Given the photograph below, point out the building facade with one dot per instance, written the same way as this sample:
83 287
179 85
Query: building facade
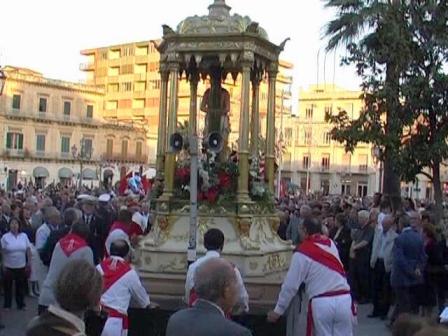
129 75
316 163
44 124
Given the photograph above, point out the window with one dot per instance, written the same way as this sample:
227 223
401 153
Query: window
126 86
40 143
363 162
16 101
140 68
155 84
114 54
362 189
42 105
128 51
309 112
325 187
126 69
328 109
140 86
346 162
111 105
114 71
112 87
89 111
139 149
138 103
124 148
109 147
327 138
103 55
65 144
141 51
88 148
325 161
308 137
306 161
288 136
67 108
14 140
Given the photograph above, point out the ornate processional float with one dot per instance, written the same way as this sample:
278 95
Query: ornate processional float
235 188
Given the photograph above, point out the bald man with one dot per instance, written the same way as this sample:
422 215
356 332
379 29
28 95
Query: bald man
217 289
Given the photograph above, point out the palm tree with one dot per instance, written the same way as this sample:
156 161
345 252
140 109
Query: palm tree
373 27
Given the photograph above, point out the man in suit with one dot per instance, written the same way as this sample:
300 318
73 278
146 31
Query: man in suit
381 263
96 224
217 290
409 261
293 231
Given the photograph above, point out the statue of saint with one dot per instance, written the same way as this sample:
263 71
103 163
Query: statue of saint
217 118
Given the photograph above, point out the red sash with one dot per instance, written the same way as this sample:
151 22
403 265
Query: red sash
113 270
193 297
116 314
71 243
310 248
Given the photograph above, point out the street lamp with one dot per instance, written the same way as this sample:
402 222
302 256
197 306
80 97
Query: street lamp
2 81
83 154
377 158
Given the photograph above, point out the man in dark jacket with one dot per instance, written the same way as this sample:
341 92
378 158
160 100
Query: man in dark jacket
409 261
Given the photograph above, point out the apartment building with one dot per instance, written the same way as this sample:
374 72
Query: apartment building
315 162
43 122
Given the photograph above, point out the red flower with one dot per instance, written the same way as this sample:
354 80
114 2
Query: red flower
183 174
224 180
212 195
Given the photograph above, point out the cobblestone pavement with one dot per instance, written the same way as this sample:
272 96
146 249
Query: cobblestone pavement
16 321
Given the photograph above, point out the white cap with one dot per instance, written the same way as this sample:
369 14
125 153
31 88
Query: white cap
139 219
84 198
104 198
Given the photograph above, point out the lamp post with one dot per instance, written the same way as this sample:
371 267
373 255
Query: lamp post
376 155
2 81
81 155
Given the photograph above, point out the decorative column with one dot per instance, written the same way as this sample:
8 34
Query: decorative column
270 128
255 118
161 132
243 150
170 162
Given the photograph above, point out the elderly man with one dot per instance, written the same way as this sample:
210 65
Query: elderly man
316 264
293 232
409 261
360 258
217 290
381 264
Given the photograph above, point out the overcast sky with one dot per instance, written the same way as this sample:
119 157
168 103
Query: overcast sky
47 35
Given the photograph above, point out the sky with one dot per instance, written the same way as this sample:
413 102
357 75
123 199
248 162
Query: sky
47 35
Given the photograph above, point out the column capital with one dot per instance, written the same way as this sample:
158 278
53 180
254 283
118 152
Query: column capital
173 66
272 70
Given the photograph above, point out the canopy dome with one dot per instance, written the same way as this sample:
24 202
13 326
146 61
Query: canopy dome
219 21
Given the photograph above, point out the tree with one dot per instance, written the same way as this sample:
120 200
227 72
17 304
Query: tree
425 95
377 42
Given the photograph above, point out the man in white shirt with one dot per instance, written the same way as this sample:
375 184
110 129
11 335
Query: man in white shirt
52 221
316 263
121 285
214 243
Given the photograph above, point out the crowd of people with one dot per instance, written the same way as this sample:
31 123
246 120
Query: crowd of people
73 251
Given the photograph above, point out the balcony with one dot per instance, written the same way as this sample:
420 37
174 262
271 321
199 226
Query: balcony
88 66
14 153
65 155
124 158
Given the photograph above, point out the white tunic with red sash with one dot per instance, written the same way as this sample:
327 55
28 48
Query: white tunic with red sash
121 284
316 263
118 231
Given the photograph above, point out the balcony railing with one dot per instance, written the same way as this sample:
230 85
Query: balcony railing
86 66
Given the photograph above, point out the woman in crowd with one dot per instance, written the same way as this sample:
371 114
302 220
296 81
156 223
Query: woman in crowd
342 239
26 227
78 288
16 254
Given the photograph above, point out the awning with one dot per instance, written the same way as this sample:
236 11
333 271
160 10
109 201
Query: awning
65 173
40 172
89 174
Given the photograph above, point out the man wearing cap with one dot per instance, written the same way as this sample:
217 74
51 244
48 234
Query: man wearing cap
96 225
